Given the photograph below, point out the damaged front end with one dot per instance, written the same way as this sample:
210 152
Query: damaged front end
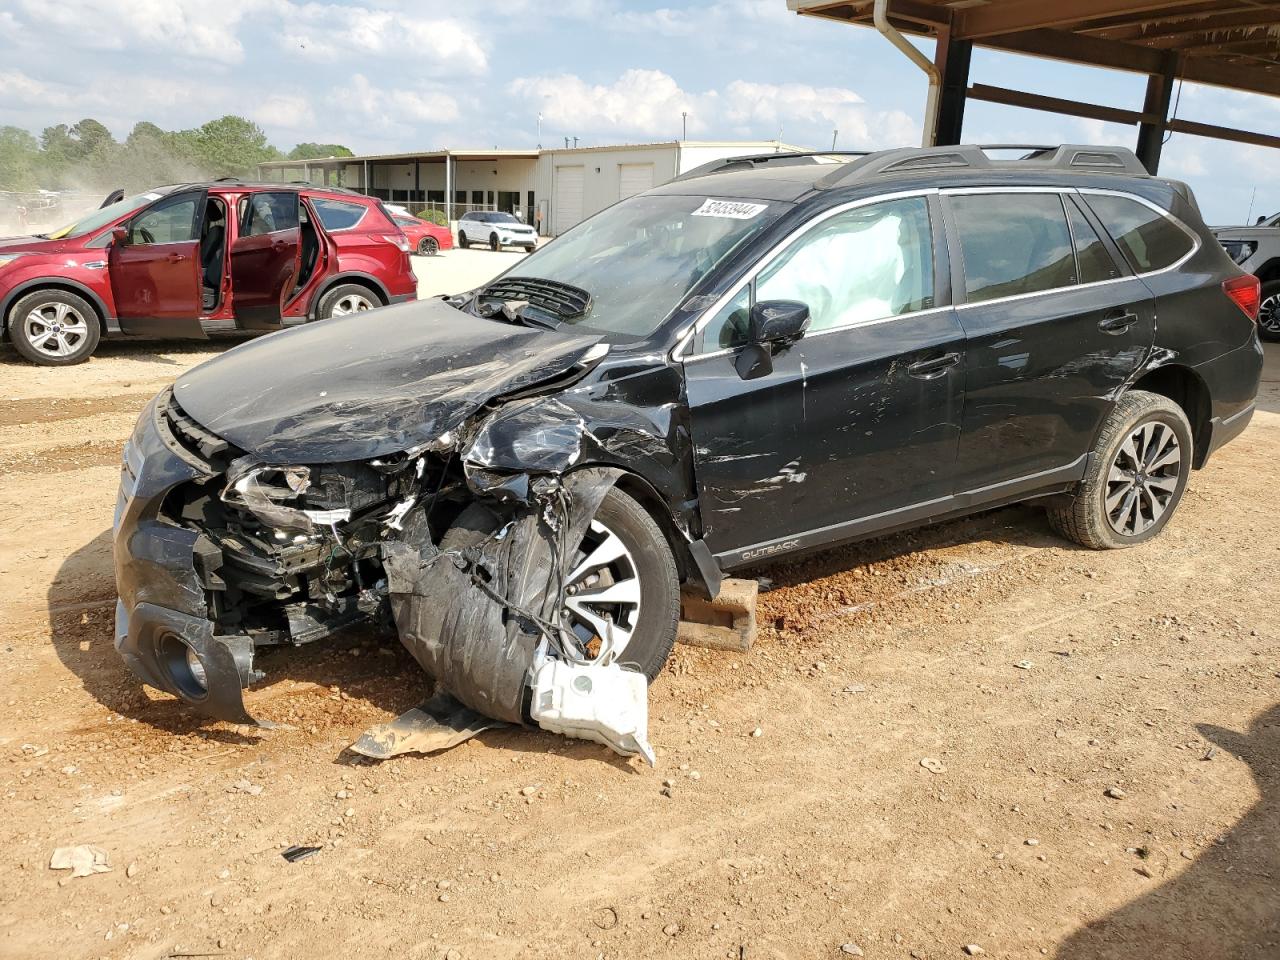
459 531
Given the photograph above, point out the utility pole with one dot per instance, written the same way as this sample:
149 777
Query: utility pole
566 143
575 143
539 129
684 128
834 134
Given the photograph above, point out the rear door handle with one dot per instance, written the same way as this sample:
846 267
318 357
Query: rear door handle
1118 322
934 366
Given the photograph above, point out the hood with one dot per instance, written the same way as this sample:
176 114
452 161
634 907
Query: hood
29 245
369 384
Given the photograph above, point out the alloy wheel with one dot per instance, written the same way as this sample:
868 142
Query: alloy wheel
351 303
1143 479
428 247
56 328
1269 314
602 594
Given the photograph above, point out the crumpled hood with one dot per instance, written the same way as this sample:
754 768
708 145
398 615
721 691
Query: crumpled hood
368 384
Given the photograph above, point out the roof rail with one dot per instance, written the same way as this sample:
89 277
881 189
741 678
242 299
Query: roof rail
1078 157
751 161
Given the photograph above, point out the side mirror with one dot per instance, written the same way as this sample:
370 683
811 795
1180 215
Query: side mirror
775 324
120 235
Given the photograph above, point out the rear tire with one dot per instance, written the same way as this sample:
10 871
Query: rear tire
345 299
428 247
1269 312
1136 479
654 633
54 328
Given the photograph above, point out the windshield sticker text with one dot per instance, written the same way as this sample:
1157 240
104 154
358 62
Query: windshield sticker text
730 209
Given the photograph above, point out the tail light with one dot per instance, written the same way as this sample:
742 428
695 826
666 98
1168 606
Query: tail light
401 241
1246 292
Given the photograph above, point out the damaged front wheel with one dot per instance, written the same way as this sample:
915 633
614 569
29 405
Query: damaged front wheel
620 581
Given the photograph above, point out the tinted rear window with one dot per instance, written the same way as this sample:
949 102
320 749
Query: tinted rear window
338 215
1149 240
1013 243
1091 253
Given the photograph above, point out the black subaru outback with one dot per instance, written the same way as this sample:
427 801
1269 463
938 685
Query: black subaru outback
764 356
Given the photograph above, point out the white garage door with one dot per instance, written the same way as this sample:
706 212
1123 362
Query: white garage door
568 198
634 178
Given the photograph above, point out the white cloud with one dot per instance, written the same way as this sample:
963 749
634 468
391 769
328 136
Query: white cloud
191 27
649 103
339 32
392 108
284 110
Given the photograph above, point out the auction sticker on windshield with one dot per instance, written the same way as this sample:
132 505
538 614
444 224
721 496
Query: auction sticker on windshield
730 209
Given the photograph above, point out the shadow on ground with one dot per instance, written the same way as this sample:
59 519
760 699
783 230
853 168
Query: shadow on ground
1226 905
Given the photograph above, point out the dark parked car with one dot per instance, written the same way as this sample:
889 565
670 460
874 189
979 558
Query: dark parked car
197 258
765 356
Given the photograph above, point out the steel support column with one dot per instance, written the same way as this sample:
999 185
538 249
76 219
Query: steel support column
952 59
1151 134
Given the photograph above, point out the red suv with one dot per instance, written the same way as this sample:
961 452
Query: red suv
193 259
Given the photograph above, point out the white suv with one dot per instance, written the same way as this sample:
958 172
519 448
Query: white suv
497 230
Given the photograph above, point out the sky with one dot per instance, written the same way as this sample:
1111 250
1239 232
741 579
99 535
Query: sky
403 75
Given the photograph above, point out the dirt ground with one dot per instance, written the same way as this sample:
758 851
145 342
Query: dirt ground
1032 677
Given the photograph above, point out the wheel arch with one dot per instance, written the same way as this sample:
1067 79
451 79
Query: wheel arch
350 276
1188 390
37 284
1269 271
645 494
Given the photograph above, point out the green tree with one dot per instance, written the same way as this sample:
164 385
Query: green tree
19 159
231 146
319 151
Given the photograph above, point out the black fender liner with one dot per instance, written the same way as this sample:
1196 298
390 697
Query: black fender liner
476 619
109 323
350 276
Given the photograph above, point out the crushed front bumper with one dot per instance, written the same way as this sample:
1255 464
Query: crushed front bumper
163 632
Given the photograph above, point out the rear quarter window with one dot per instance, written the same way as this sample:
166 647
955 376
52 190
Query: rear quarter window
1148 239
338 214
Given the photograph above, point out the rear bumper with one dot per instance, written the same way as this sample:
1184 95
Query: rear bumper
1233 380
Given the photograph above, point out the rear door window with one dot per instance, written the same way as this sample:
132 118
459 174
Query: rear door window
270 213
1013 244
338 214
1149 239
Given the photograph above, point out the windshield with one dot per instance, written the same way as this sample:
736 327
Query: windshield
100 218
639 258
502 218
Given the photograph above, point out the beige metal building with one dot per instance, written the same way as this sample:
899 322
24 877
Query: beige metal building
553 188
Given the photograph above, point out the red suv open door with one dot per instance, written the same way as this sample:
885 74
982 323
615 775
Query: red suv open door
155 268
265 259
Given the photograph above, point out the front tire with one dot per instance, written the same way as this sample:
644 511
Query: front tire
345 299
1137 477
1269 312
54 328
494 245
463 242
624 559
428 247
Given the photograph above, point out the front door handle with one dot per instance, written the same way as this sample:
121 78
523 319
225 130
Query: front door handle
279 244
1118 322
176 257
934 366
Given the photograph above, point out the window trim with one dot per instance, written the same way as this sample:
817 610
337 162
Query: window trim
958 289
682 351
